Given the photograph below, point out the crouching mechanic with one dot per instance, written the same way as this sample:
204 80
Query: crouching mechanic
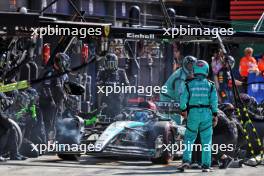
200 100
8 135
175 85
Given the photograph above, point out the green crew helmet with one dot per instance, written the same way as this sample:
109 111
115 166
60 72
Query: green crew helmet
201 67
187 65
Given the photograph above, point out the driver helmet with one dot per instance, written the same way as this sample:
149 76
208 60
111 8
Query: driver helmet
141 116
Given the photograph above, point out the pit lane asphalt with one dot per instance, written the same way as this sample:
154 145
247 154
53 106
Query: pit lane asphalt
89 166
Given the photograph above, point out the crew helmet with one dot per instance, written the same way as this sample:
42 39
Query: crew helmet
111 62
201 67
186 61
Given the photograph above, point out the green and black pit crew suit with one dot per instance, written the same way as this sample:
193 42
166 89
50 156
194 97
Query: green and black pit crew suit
201 101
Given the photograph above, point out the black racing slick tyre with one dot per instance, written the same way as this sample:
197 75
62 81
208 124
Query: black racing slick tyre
167 139
5 137
18 132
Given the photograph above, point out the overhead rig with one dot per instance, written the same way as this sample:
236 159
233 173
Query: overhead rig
158 34
15 23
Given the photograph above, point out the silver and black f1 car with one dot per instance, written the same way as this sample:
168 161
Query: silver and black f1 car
140 133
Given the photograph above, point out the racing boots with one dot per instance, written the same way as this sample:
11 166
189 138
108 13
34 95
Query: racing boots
184 166
207 169
2 159
18 157
195 166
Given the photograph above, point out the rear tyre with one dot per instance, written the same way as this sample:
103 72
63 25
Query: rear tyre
18 132
5 137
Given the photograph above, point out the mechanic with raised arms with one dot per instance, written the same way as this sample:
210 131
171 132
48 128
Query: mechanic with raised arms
200 100
109 76
175 84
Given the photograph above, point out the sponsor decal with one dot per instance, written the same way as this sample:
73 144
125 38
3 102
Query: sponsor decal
140 36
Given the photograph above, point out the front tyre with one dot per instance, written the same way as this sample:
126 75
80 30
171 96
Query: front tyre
166 156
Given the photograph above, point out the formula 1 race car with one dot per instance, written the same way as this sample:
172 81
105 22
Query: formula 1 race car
140 133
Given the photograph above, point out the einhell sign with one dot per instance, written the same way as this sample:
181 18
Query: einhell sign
246 10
